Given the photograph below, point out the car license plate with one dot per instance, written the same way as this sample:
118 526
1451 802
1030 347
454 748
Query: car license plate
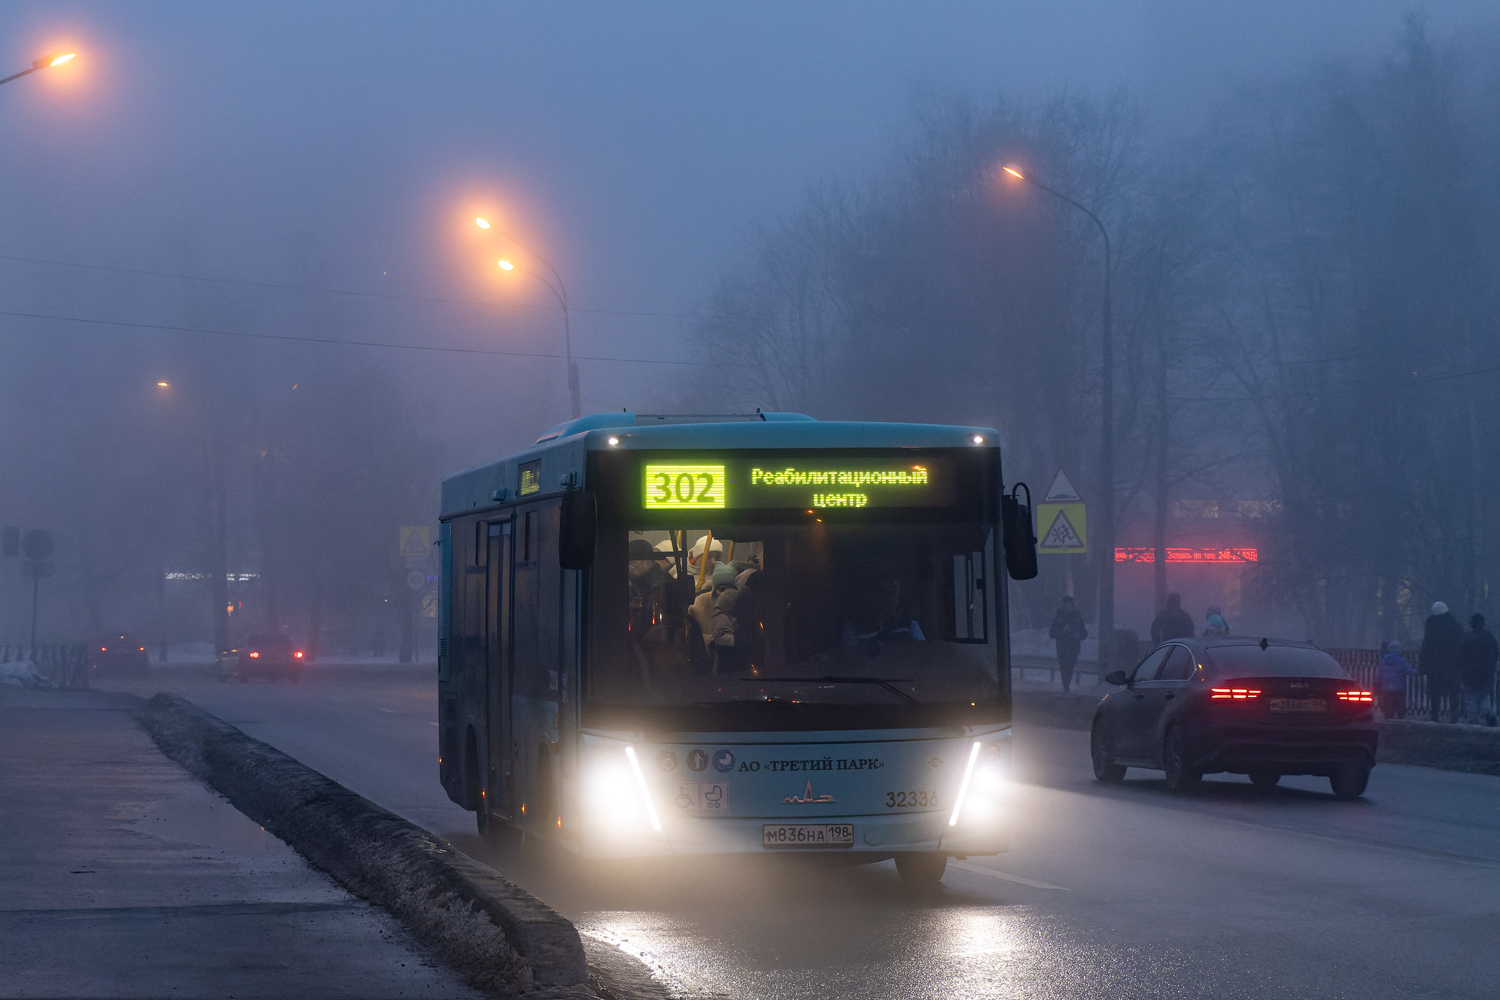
1299 705
822 835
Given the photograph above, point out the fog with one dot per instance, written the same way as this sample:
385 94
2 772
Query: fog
751 206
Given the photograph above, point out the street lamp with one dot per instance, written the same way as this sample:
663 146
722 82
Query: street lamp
1106 524
46 62
560 291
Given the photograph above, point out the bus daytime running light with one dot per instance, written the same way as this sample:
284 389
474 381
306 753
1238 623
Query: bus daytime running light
963 786
640 781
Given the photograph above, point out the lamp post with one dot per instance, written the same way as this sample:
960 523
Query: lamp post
1105 530
560 292
46 62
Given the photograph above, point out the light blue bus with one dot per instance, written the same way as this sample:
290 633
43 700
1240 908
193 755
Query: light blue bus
667 635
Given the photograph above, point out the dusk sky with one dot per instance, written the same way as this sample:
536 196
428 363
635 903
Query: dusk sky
348 146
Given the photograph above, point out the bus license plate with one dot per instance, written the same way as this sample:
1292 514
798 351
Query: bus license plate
822 835
1299 705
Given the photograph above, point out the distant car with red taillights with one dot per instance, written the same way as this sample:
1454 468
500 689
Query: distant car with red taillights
269 656
1258 707
121 654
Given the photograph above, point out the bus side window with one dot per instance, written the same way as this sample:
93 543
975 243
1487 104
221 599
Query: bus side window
970 621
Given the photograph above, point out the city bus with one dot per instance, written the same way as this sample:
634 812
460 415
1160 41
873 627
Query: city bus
670 635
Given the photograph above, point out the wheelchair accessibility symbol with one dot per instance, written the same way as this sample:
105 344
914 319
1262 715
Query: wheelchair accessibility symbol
701 797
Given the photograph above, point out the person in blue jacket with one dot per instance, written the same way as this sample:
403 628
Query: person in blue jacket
1390 681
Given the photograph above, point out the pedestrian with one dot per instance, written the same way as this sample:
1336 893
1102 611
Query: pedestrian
1172 622
1069 631
1390 681
1438 662
1215 624
1477 658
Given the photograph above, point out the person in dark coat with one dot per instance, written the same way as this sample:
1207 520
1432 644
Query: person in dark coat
1438 662
1068 631
1477 658
1390 681
1173 622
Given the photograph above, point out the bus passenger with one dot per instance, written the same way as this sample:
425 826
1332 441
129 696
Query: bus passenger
647 586
695 560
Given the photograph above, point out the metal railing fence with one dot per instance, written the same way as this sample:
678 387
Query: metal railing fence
65 664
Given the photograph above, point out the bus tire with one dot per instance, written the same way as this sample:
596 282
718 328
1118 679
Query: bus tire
543 826
921 868
473 781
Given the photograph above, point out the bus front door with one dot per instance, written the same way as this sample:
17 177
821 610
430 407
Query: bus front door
497 671
535 643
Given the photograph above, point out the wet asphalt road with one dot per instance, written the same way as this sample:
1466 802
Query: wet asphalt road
1122 891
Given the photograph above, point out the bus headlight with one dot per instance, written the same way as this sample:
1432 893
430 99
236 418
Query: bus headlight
615 793
984 786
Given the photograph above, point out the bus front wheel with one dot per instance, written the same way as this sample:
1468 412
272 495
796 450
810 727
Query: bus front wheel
921 868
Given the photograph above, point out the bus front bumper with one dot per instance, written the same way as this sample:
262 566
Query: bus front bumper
876 837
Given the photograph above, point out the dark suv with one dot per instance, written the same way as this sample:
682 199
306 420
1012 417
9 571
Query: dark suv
120 655
1259 707
268 656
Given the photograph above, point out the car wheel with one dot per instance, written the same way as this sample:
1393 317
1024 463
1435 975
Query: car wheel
1180 778
1349 781
1102 749
1264 779
921 868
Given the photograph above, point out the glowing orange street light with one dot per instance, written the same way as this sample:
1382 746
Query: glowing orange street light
45 62
560 292
1105 529
165 385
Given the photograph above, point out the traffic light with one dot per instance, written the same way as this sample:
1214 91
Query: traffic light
10 543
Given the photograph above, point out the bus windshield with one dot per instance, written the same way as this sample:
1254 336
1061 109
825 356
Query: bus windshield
777 626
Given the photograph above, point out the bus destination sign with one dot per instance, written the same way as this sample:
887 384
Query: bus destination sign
740 483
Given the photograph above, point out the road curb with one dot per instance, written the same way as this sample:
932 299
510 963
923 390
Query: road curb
502 938
1475 749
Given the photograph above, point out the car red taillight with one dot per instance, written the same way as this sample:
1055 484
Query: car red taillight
1233 694
1365 696
298 654
254 656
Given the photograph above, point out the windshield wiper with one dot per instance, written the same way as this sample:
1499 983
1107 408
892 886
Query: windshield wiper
888 685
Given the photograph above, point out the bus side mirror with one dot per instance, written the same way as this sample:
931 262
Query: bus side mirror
577 528
1019 539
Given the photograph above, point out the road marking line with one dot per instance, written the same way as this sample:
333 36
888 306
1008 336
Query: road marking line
1004 876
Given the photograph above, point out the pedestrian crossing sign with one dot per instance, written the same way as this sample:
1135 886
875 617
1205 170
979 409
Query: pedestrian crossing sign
416 544
1064 528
